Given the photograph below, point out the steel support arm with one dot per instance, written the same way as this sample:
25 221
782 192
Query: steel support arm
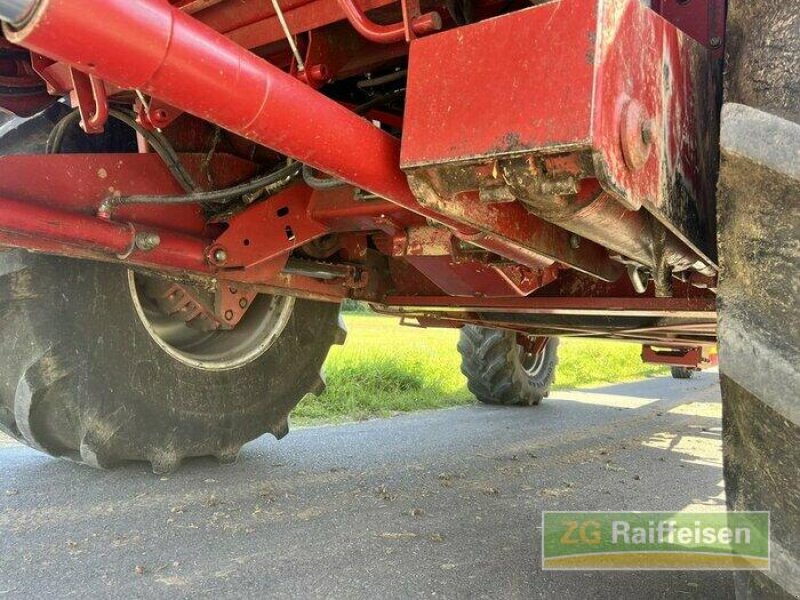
146 245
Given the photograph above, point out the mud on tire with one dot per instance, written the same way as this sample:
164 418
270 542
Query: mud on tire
82 378
498 370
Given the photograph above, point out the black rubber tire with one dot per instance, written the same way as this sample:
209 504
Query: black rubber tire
682 372
491 361
758 303
82 378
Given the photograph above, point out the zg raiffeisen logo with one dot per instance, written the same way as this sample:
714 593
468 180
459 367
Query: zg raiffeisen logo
655 540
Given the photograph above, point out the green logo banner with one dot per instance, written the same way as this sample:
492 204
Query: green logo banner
655 540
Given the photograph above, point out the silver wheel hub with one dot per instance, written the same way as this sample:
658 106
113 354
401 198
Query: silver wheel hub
217 350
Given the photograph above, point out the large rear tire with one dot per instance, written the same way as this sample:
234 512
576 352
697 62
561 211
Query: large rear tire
85 378
759 227
501 371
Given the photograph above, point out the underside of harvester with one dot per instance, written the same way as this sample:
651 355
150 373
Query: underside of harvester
547 169
229 171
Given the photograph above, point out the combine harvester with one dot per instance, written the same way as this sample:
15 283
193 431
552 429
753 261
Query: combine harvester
190 189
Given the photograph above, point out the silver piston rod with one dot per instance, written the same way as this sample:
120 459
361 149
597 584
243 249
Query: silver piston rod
16 12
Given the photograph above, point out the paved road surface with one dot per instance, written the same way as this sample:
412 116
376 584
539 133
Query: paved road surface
442 504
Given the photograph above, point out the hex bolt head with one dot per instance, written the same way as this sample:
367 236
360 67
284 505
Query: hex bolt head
243 303
219 256
228 315
147 241
574 241
715 42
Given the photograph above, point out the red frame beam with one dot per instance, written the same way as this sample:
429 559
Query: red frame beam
701 307
117 240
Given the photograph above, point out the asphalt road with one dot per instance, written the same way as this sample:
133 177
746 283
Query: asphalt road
443 504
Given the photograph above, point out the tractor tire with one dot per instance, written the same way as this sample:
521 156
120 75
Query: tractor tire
682 372
758 211
85 377
499 371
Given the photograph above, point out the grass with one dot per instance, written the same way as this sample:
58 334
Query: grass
384 369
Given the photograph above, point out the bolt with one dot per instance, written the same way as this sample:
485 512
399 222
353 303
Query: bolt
243 303
574 241
715 42
146 241
228 315
220 256
160 115
232 290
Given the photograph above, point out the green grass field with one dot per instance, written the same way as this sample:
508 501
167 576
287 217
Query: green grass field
384 369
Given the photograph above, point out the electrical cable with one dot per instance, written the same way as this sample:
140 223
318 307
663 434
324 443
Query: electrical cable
376 81
270 182
156 140
320 183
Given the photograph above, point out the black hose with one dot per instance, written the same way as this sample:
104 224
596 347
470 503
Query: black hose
378 101
56 136
376 81
157 141
270 182
320 183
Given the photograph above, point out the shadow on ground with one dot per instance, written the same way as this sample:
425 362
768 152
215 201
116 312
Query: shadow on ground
444 503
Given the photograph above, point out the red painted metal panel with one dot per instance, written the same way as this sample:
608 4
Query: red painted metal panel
703 20
267 230
472 278
80 182
515 83
676 357
644 61
606 77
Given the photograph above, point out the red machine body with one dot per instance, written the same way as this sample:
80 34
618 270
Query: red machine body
547 169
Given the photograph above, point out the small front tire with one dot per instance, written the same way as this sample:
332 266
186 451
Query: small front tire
682 373
499 370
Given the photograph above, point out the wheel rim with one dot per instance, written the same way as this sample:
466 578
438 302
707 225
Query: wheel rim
219 350
532 364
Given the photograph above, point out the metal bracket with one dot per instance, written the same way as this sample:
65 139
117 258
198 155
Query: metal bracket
266 230
231 301
89 94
